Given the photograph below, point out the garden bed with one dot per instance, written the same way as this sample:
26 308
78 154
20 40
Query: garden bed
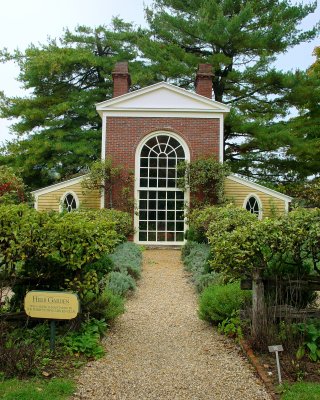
84 253
215 300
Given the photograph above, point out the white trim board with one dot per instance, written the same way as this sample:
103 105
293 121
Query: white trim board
261 188
163 113
137 183
58 186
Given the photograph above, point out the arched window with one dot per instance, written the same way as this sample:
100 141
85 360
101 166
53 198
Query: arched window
69 201
159 158
253 204
161 202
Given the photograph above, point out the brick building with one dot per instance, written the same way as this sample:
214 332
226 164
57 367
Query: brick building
148 131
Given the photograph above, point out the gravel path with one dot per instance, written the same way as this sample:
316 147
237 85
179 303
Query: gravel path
159 349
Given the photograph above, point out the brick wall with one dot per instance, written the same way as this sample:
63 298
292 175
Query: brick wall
124 135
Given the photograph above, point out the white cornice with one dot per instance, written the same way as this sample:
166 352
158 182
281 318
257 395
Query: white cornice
123 102
165 113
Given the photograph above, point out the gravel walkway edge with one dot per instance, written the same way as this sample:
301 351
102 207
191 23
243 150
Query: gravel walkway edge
159 349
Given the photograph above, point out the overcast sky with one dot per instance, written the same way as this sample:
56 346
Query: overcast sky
31 21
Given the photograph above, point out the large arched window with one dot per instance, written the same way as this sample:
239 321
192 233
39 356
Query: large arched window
158 162
69 201
253 204
161 202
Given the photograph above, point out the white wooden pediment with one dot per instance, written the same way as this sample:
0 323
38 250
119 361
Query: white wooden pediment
160 97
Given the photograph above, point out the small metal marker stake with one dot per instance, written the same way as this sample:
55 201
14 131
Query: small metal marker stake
276 349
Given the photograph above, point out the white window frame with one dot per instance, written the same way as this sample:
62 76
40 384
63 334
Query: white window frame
63 197
257 200
137 184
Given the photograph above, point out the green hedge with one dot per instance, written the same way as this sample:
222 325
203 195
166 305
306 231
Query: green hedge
203 222
55 251
287 246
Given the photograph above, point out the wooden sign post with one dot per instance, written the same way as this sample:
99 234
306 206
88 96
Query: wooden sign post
53 306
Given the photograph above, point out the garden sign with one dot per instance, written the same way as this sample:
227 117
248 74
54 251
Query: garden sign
51 305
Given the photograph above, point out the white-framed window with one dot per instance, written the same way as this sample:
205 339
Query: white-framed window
253 204
161 203
69 202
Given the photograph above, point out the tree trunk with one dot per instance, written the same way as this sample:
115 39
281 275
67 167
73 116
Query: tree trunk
259 317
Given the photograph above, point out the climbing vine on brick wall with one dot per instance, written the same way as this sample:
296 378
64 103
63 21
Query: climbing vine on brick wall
205 177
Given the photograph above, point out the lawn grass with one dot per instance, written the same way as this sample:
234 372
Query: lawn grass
302 391
55 389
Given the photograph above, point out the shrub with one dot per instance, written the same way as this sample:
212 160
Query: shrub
18 359
195 256
12 188
54 251
219 302
288 245
127 259
186 249
102 266
311 342
120 283
203 281
231 326
122 220
205 177
209 222
107 305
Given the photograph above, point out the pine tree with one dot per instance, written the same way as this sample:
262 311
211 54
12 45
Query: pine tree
58 132
241 39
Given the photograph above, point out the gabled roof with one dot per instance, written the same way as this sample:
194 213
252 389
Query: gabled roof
261 188
162 97
57 186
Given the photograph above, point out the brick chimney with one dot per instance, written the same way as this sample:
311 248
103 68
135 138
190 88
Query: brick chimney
121 79
204 80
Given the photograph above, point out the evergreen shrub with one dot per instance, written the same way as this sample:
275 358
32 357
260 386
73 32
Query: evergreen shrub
219 302
120 283
127 259
213 220
195 256
102 266
107 305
